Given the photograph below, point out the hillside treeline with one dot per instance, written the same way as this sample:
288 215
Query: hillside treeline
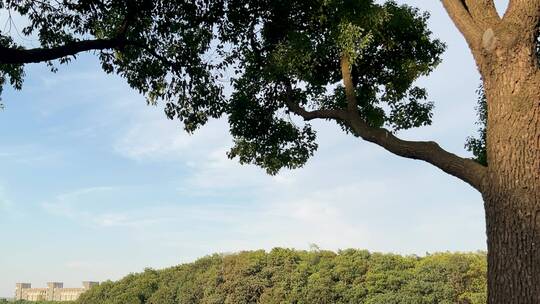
291 276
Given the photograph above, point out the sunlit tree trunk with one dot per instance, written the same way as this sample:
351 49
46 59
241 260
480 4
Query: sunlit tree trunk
512 187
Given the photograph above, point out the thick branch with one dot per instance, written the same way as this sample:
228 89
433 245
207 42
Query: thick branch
309 115
352 104
463 20
465 169
316 114
483 12
462 168
525 14
22 56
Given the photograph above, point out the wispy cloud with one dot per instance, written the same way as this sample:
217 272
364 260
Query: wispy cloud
30 155
72 204
154 140
150 137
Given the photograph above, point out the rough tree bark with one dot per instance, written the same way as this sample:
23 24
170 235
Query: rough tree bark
512 188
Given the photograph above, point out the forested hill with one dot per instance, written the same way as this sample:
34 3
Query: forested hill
291 276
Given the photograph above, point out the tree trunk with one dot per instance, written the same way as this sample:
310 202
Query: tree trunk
511 190
513 230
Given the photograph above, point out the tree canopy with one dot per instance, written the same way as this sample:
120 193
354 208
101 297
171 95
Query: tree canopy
157 46
292 60
278 57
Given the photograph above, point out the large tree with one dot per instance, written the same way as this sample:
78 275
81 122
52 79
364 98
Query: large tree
349 61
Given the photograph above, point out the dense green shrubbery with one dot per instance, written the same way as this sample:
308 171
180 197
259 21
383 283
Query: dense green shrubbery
290 276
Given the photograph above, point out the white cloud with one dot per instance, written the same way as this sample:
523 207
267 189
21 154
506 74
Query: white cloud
150 136
30 155
154 140
71 204
344 197
130 219
335 209
63 78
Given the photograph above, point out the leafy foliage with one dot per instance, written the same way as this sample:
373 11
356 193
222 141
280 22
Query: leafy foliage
162 50
274 53
10 73
290 276
477 145
289 52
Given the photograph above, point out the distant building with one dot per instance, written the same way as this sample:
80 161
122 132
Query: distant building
55 291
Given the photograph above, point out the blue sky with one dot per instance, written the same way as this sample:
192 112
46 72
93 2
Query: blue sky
95 184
